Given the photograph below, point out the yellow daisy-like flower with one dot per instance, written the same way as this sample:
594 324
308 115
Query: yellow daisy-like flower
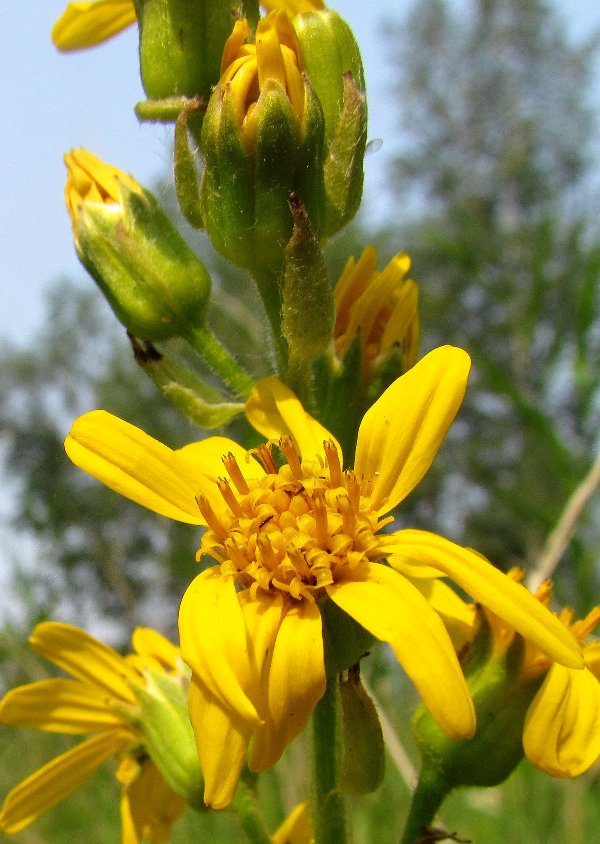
248 68
97 700
561 734
86 24
381 308
287 539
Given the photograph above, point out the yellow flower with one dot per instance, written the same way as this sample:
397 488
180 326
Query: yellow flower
91 22
248 69
296 828
91 180
289 540
100 700
381 308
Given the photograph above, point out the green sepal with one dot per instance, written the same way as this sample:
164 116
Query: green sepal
152 279
198 401
184 168
163 111
344 163
309 179
169 738
181 44
329 50
363 764
346 641
227 186
501 702
307 312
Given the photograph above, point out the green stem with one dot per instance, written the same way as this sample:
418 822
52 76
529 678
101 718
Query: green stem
329 815
427 799
268 286
246 809
221 361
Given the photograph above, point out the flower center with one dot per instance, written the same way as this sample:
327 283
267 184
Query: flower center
297 529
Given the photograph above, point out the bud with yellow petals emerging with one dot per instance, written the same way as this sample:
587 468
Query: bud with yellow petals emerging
262 140
151 278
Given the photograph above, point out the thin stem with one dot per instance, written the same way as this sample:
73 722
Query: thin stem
246 809
329 816
268 286
428 797
221 362
559 538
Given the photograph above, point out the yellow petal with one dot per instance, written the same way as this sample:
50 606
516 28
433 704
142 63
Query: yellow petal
222 741
59 706
149 807
390 608
294 683
151 644
591 654
56 780
215 645
401 433
89 23
486 584
458 616
296 828
562 726
136 466
275 411
206 458
85 658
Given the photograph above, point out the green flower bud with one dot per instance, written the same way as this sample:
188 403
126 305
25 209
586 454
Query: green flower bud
170 742
181 44
151 278
262 140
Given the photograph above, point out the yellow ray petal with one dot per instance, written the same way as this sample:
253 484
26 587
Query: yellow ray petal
591 654
562 726
293 685
215 645
490 587
56 780
85 658
206 458
458 616
86 24
221 741
390 608
136 466
149 807
275 411
296 828
153 645
401 433
59 706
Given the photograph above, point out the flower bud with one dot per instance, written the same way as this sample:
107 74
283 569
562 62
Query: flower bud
181 45
262 140
333 64
165 724
151 278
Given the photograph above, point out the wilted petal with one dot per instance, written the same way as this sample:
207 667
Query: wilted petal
215 645
390 608
275 411
59 706
401 433
509 600
562 726
56 780
292 685
222 741
85 658
86 24
136 466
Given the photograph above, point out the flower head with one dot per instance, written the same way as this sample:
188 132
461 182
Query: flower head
85 24
274 59
378 308
291 534
100 699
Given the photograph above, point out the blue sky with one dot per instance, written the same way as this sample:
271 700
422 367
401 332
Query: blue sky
52 102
